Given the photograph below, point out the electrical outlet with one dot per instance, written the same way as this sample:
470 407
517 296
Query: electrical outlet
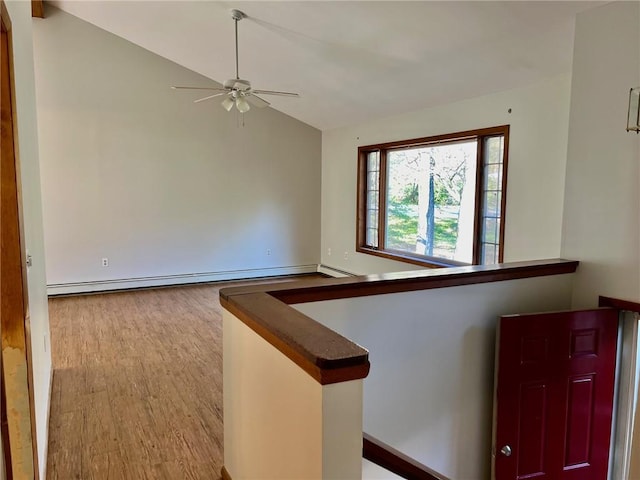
329 252
346 255
105 262
268 252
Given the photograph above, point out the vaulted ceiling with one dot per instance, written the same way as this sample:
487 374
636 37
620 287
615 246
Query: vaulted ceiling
351 61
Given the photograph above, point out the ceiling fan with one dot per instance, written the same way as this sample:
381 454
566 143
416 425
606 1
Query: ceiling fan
237 91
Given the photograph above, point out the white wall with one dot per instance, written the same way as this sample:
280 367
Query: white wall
279 422
602 201
164 188
20 13
430 390
537 157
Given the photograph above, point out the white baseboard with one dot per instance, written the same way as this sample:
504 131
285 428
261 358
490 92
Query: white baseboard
166 280
334 272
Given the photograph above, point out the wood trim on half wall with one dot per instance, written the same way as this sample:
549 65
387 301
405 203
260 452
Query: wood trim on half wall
328 356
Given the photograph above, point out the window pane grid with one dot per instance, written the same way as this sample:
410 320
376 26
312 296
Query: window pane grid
428 201
373 195
493 154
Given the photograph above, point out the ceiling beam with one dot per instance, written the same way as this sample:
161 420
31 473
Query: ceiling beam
37 8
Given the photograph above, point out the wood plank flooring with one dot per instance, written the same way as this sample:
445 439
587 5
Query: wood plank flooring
137 387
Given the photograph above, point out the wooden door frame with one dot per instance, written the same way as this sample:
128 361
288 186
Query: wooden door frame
17 369
625 452
624 396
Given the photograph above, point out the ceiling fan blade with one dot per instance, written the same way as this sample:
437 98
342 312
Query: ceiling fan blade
257 101
238 91
199 88
210 96
271 92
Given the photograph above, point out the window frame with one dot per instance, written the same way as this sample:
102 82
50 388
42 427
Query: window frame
414 258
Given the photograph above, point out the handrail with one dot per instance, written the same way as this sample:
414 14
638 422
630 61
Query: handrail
395 461
396 282
328 356
324 354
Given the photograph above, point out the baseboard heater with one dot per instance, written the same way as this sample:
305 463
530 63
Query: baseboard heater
180 279
334 272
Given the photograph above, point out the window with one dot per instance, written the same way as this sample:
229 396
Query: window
434 201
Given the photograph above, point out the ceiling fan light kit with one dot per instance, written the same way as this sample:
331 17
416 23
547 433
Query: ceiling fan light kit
227 104
242 105
237 91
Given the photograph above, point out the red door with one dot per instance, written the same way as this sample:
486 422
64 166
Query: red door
554 395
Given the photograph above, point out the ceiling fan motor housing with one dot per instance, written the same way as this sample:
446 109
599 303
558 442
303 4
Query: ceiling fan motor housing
237 14
238 84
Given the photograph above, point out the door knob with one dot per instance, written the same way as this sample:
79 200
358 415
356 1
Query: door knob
506 451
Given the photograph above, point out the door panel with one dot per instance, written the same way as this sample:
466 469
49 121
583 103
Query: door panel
554 395
533 399
579 420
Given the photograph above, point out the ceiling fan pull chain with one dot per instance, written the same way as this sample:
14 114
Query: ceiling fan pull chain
239 119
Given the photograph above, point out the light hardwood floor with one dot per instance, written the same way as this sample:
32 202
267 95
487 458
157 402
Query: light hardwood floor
137 387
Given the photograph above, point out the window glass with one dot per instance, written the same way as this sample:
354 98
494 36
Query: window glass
492 198
437 200
373 189
431 200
